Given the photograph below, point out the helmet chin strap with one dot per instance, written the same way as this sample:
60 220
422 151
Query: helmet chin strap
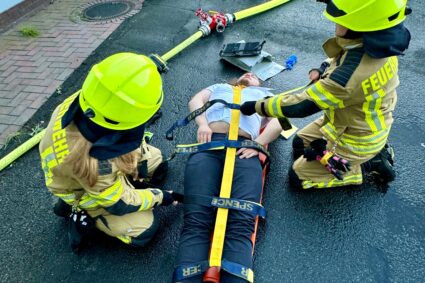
106 143
350 34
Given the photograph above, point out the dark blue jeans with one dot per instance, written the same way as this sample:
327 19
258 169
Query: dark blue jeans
203 175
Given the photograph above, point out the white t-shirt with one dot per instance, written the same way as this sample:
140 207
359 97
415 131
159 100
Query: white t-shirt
219 112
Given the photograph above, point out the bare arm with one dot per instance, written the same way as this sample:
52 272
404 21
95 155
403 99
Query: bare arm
270 133
197 101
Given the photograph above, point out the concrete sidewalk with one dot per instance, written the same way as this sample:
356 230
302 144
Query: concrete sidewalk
33 69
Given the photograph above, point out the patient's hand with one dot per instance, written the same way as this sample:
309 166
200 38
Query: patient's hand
314 75
246 153
204 134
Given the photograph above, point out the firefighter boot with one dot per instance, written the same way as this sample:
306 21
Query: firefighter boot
62 209
381 166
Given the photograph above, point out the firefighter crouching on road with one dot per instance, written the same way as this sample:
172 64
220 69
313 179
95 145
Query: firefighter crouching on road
93 151
356 89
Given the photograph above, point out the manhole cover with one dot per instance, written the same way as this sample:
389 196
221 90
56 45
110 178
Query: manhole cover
106 10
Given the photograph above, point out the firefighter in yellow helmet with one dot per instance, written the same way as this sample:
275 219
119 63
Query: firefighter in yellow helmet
94 153
356 90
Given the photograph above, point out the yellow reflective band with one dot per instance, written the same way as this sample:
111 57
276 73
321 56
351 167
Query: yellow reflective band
372 138
273 106
279 108
125 239
330 131
394 63
324 98
147 198
377 142
226 184
373 112
68 198
292 90
316 99
337 103
48 162
365 149
330 113
195 144
109 196
356 179
106 198
270 102
86 201
249 275
359 145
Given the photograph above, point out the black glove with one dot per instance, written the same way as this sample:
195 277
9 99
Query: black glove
319 146
336 165
310 154
316 150
168 198
339 163
81 225
248 108
178 197
321 70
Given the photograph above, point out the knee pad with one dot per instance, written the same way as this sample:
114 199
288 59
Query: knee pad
297 147
294 181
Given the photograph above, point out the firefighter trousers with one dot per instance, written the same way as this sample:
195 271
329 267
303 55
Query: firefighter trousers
136 228
312 174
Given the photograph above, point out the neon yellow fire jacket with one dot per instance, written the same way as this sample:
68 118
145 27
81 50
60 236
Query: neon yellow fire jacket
357 94
112 192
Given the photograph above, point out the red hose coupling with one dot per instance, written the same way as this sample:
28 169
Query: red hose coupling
217 21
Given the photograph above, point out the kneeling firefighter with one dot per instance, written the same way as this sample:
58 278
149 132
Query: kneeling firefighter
93 152
356 89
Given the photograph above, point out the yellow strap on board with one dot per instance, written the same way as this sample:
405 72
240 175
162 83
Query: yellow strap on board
226 184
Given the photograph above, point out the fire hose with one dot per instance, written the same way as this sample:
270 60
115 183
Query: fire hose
208 22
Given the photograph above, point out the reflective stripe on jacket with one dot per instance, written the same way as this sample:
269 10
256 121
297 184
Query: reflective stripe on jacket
357 94
112 192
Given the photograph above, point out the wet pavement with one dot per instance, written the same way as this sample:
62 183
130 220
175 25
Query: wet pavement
343 235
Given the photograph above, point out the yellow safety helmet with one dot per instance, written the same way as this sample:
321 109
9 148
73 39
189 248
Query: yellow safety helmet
122 92
366 15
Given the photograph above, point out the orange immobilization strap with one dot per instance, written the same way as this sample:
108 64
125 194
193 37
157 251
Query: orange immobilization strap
226 184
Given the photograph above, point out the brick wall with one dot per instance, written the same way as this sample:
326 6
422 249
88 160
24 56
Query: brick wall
13 15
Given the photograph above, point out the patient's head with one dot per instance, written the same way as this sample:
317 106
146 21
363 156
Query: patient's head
248 79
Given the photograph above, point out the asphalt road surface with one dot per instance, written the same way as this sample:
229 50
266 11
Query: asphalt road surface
344 235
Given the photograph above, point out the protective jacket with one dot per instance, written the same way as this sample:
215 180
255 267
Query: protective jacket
111 195
357 94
